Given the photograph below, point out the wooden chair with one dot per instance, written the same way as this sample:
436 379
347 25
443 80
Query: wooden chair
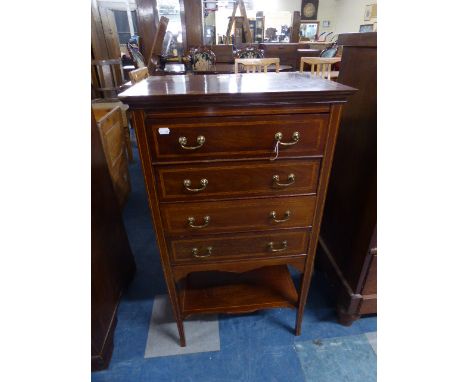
250 52
320 66
107 78
138 74
256 64
202 59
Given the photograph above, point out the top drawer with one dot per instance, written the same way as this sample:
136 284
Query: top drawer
198 139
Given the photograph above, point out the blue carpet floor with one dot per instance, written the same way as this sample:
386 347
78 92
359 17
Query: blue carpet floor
254 347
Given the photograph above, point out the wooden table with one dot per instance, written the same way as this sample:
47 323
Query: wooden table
221 68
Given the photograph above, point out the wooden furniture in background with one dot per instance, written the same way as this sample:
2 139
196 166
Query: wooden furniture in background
286 52
319 66
256 64
228 212
224 53
147 17
202 59
296 23
138 74
348 237
249 52
245 22
110 126
224 69
107 78
191 14
306 53
106 65
154 61
259 27
109 105
112 264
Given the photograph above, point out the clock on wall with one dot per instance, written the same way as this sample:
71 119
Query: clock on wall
309 9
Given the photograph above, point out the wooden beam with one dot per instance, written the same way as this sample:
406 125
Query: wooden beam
98 41
296 23
231 21
147 16
156 49
192 23
247 34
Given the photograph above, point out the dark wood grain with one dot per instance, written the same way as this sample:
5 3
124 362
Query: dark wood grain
251 246
351 208
158 92
236 113
215 292
296 24
286 52
180 271
147 16
238 137
236 180
192 23
112 264
238 215
224 53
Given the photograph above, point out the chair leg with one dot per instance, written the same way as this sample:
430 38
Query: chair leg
128 143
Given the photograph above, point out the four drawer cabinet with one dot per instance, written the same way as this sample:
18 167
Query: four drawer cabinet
236 169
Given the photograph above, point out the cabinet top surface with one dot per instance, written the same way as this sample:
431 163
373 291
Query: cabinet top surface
234 86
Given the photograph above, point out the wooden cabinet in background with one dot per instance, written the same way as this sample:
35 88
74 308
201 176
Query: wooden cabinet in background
112 264
348 236
114 142
230 215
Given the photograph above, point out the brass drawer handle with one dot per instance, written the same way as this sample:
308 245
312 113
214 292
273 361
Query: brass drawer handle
183 142
188 183
287 215
295 138
276 178
191 221
195 252
271 246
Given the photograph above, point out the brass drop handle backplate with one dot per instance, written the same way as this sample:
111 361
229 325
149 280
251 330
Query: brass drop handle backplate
191 222
295 138
276 180
195 252
183 143
287 215
284 246
188 184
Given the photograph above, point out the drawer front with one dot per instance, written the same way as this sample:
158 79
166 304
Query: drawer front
247 246
237 137
237 215
253 179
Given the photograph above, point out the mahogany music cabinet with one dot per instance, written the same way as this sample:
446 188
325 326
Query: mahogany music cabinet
236 170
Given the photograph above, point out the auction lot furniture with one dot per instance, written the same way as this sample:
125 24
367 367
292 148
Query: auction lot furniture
348 237
112 264
236 169
114 137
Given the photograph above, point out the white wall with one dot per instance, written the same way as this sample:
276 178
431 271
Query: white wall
344 15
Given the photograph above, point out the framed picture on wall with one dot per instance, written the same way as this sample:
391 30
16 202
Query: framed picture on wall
309 9
366 28
370 12
308 30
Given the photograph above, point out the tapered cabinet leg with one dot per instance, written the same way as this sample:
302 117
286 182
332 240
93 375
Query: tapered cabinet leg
175 302
180 328
304 291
